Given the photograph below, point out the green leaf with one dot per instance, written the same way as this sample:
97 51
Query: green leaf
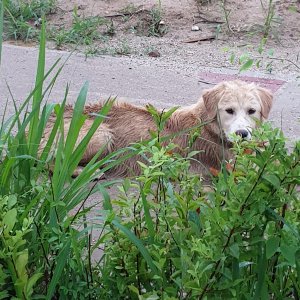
10 218
261 270
293 8
273 179
168 114
31 282
143 250
134 289
234 250
106 201
11 201
277 217
61 261
272 245
194 218
258 62
37 96
20 264
247 65
297 259
148 219
243 58
288 252
271 52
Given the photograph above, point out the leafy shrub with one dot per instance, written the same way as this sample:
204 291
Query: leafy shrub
241 240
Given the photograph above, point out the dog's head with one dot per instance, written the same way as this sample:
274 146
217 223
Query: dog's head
237 106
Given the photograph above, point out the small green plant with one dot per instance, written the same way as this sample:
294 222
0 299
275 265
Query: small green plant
121 49
226 13
22 19
156 28
84 31
270 19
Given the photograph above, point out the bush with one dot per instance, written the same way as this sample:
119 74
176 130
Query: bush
241 240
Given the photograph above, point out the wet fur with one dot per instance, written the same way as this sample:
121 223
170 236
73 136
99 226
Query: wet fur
127 124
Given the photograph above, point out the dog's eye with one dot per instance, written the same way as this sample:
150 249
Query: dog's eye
251 111
230 111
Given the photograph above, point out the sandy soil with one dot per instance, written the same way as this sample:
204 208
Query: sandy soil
211 45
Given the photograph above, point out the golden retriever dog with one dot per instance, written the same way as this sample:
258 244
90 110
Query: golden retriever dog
232 107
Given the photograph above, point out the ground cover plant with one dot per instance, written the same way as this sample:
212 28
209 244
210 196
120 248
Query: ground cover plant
22 19
163 236
84 30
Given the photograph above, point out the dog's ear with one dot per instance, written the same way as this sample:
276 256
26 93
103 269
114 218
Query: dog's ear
211 99
266 98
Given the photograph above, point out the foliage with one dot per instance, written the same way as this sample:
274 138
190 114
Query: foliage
23 18
84 31
241 240
45 242
156 28
265 57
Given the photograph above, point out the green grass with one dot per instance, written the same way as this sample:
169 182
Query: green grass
39 245
22 19
155 28
84 31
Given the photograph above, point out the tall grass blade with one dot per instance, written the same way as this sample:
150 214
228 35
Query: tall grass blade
58 121
61 170
37 96
61 261
79 151
261 271
25 103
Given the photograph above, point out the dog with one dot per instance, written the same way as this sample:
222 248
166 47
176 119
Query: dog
230 107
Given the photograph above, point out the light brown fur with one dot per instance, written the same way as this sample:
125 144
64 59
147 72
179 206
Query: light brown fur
127 124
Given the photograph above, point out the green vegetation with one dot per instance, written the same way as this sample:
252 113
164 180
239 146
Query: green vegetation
84 31
172 240
163 236
156 28
23 18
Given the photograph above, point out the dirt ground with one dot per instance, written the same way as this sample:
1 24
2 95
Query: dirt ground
210 44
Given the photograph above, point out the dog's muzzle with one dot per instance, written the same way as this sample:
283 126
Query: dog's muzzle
244 134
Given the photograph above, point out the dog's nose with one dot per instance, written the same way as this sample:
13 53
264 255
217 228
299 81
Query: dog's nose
243 133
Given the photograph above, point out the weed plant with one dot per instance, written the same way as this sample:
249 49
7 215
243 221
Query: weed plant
156 28
84 31
22 18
